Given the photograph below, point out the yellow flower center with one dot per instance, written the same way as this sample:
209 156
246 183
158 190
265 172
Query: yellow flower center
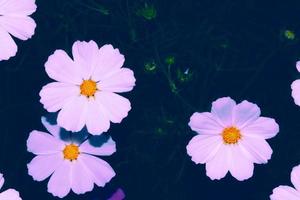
88 88
71 152
231 135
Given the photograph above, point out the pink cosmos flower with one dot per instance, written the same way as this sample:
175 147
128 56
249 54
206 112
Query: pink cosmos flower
231 138
85 88
70 163
287 192
9 194
296 87
14 21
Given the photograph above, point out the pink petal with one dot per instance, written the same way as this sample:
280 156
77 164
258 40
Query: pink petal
55 95
121 81
86 56
263 127
118 195
97 120
296 91
21 27
41 167
257 149
53 129
218 166
245 113
2 180
106 149
109 61
10 194
82 179
60 182
117 107
222 108
240 166
285 193
203 148
72 116
17 7
62 68
298 66
41 143
8 48
101 170
205 123
295 177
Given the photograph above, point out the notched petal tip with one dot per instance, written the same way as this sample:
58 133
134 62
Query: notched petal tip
222 100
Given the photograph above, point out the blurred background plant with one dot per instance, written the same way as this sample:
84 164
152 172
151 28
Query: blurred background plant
147 11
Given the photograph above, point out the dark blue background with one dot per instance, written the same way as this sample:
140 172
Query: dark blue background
232 48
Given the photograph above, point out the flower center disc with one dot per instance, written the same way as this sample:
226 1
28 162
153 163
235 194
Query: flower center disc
231 135
71 152
88 88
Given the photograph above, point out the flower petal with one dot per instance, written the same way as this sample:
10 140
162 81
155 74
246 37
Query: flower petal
109 61
55 95
263 127
106 149
121 81
51 128
41 143
101 170
86 56
72 116
203 148
298 66
82 180
296 91
60 182
8 48
285 193
257 149
10 194
61 67
117 106
17 7
295 177
41 167
218 166
222 108
21 27
2 180
97 120
118 195
205 123
240 166
245 113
